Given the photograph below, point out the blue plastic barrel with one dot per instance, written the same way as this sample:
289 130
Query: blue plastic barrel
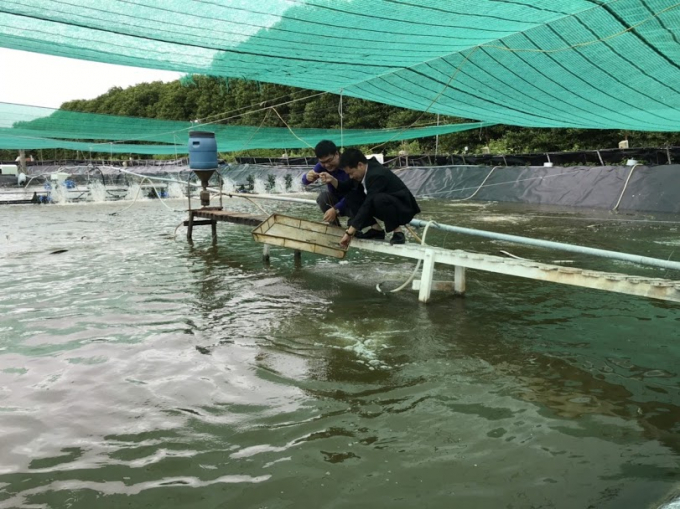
202 150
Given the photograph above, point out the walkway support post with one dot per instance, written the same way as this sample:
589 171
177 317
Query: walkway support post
426 277
459 280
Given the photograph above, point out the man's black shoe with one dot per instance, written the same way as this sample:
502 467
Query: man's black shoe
371 234
398 238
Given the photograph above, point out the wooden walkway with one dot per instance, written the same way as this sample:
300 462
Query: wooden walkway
655 288
211 215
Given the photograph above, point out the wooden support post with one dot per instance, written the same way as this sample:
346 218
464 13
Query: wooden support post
213 225
297 258
265 253
426 277
459 280
190 226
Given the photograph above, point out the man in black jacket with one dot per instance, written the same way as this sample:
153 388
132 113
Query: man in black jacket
379 194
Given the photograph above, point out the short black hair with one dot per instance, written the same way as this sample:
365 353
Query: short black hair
351 158
325 148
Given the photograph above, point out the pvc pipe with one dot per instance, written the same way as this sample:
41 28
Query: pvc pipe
238 195
151 177
271 197
602 253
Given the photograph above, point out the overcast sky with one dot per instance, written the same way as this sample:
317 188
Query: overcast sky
44 80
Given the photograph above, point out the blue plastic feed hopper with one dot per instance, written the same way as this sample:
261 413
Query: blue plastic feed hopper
202 150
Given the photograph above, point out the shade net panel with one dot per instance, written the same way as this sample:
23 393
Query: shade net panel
543 63
29 127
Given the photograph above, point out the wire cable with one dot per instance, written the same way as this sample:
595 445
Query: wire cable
289 128
480 186
415 271
625 186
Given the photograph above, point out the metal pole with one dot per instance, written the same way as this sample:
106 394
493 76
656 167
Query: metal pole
602 253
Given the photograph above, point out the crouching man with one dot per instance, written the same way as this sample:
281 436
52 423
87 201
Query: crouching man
378 193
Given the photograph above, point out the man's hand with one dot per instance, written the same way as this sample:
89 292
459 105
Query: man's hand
345 240
330 215
327 178
347 237
312 176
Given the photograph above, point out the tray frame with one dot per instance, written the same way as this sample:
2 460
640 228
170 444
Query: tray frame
295 233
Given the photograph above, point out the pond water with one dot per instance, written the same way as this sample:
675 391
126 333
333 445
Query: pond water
137 370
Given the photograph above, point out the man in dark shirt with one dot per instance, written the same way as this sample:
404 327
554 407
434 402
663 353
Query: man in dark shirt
381 195
331 201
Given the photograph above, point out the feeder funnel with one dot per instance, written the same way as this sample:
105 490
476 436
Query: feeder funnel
204 177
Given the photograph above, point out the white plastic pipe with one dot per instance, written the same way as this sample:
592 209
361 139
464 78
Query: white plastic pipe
238 195
602 253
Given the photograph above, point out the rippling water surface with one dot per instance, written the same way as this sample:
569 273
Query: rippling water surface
139 371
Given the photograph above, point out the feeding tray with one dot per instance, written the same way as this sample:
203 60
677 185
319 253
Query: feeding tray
294 233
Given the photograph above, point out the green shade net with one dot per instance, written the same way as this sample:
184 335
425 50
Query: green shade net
542 63
32 127
8 141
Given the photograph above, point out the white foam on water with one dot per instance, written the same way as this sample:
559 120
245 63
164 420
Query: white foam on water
296 185
366 349
97 191
259 187
228 186
503 219
674 242
482 205
262 186
280 185
176 190
58 194
132 192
